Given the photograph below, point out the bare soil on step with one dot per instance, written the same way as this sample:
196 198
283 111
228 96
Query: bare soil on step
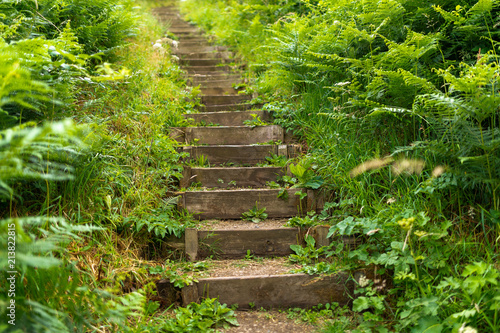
241 224
248 267
268 322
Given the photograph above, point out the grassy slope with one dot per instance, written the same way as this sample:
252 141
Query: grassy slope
320 73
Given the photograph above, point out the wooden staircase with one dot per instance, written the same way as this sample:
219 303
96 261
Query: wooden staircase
235 181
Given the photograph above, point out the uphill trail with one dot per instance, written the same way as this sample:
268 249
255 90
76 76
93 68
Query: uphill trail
227 174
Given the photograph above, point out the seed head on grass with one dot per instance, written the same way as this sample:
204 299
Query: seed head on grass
371 165
408 166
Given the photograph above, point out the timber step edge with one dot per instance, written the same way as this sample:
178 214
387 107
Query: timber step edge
238 154
261 241
229 107
227 135
230 177
224 99
269 291
228 118
231 204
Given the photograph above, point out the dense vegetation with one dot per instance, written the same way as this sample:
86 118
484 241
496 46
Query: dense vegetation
85 164
398 102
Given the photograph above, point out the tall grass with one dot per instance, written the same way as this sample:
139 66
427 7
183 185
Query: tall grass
406 91
97 192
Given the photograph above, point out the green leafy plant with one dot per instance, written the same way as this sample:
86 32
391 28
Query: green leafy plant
306 178
308 221
255 214
207 316
307 254
255 121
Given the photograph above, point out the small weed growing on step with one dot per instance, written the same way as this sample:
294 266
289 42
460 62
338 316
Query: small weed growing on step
283 194
202 161
255 214
249 255
307 254
210 246
276 160
308 221
203 317
273 184
180 274
317 314
255 121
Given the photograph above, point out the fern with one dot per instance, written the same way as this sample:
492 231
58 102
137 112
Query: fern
29 152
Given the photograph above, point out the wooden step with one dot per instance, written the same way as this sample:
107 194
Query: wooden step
261 239
224 99
239 243
198 48
228 118
238 154
173 21
165 10
221 83
207 70
220 91
230 177
206 55
185 32
174 14
191 39
229 107
271 291
194 45
202 62
214 76
223 80
191 30
227 135
231 204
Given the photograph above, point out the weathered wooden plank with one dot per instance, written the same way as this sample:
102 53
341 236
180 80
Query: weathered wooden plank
224 99
192 29
230 177
216 79
231 204
202 62
238 154
228 118
198 48
220 91
283 291
229 107
315 200
191 236
227 135
320 234
208 69
233 244
207 55
231 154
222 83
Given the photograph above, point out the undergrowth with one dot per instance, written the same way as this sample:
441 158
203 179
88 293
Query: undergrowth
397 102
87 169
